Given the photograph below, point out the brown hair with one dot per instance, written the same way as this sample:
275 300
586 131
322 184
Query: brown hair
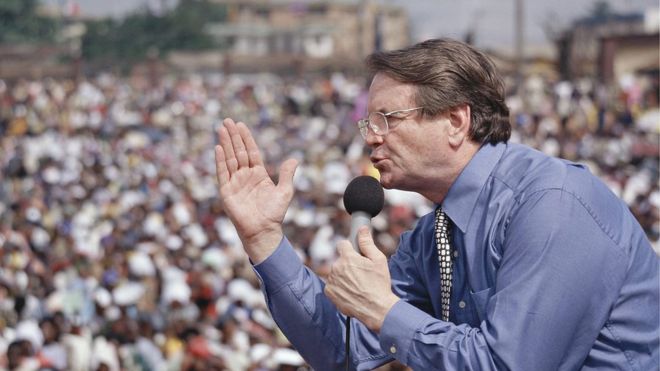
448 73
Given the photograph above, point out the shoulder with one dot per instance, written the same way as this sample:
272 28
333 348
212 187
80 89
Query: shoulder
540 181
526 171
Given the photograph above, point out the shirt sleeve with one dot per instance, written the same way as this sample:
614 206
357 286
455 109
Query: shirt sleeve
310 321
558 268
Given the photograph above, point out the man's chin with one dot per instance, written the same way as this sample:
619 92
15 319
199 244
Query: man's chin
386 180
389 181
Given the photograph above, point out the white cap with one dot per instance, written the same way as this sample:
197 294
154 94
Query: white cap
173 242
261 317
286 356
336 177
102 297
29 330
176 291
240 289
55 301
196 235
104 353
128 293
140 264
322 247
181 214
214 258
259 352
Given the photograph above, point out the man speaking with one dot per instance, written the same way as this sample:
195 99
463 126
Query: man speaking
527 263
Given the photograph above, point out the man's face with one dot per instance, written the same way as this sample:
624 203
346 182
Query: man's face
414 147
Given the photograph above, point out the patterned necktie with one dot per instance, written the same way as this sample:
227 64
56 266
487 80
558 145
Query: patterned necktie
442 238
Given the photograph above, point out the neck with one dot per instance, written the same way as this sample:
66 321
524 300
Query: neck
439 187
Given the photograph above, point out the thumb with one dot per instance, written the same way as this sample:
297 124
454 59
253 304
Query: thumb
287 169
367 246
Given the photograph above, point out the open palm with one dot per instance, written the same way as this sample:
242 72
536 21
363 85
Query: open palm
252 201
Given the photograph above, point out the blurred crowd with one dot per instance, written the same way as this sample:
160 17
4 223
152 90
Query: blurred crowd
115 253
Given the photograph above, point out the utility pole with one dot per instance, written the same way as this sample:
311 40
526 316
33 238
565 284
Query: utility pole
519 37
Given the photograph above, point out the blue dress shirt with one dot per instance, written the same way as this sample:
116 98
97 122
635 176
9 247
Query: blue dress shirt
551 272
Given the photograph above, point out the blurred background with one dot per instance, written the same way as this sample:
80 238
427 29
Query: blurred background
114 251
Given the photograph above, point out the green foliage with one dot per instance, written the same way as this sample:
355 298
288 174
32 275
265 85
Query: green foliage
132 38
20 23
601 9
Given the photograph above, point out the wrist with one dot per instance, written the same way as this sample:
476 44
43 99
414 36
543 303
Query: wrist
386 306
260 246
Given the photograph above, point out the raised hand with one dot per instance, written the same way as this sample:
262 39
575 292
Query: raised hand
252 201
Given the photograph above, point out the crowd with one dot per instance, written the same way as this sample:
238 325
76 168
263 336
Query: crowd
115 253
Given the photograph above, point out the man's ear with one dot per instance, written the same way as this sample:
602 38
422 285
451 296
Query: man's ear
460 121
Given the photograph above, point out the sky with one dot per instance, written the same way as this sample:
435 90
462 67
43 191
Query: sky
492 20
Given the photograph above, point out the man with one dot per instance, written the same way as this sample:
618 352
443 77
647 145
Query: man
528 263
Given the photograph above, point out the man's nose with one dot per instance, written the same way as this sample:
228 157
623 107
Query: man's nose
372 138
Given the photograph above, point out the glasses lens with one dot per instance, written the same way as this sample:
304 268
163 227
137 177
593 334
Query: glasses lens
363 125
378 123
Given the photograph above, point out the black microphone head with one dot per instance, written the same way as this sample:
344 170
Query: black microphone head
365 194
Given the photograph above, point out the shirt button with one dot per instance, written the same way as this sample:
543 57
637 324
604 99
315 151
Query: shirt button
455 253
461 304
392 349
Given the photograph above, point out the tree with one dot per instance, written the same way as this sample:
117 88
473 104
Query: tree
19 22
601 9
131 39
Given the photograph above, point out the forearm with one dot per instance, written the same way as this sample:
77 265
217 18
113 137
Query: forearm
421 341
309 319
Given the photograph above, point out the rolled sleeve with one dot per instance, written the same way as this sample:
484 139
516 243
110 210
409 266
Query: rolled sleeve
280 268
401 324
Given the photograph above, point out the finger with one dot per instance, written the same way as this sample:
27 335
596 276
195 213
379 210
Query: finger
228 148
254 155
239 146
287 170
345 248
367 246
221 166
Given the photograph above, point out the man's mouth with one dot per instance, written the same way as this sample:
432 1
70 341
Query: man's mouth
377 160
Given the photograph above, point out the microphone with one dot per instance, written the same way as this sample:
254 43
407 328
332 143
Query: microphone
363 199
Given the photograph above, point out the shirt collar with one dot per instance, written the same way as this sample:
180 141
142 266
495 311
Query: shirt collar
461 200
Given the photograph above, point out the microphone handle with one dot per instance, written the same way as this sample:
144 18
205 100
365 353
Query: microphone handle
358 219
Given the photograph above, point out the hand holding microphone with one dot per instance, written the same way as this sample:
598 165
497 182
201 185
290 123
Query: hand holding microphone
360 286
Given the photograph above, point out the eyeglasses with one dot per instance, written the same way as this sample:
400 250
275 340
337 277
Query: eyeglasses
377 121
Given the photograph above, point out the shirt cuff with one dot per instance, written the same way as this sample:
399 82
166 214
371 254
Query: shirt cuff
280 268
399 327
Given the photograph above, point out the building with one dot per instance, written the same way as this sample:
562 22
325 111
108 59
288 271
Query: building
26 61
313 34
606 46
629 54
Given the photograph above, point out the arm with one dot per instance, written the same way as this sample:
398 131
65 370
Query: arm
309 319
